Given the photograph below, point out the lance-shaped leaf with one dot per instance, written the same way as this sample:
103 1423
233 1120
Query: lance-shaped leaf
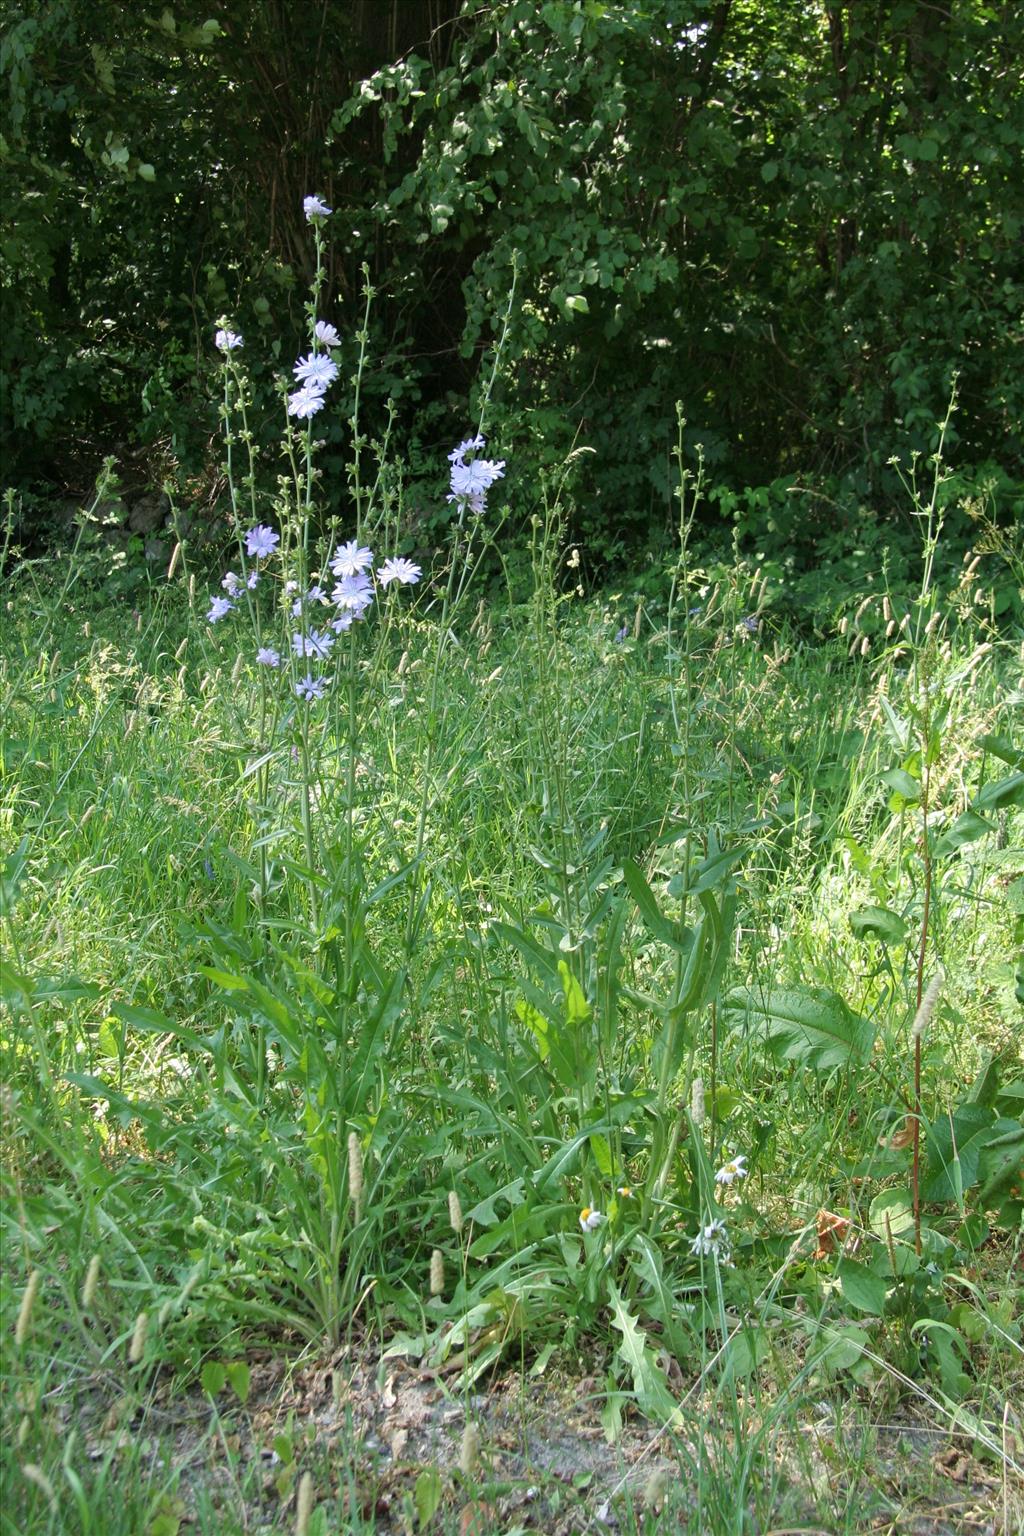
810 1025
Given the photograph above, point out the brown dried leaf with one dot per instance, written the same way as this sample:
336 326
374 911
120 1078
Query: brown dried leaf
900 1139
833 1231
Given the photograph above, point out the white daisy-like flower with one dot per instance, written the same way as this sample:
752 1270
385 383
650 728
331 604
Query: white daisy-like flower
736 1169
400 570
310 688
351 559
471 445
313 644
305 402
316 371
353 592
326 334
315 207
590 1220
261 541
712 1242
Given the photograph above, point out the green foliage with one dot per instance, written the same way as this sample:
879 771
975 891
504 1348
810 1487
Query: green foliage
799 227
542 992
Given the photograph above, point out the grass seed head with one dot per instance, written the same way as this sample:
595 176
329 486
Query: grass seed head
355 1168
137 1347
437 1273
923 1016
92 1277
454 1212
304 1504
655 1488
469 1451
39 1479
28 1301
698 1112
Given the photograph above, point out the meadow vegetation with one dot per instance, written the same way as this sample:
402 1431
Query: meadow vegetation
601 1002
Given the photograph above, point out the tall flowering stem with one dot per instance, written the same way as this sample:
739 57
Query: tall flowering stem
459 576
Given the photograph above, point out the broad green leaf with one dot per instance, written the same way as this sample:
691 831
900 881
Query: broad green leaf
1002 1158
904 786
949 1349
602 1155
14 870
744 1353
861 1288
238 1375
1001 793
537 1024
225 979
892 1212
841 1347
954 1152
897 729
213 1377
16 990
1002 747
967 828
809 1025
657 925
878 923
427 1496
165 1523
577 1009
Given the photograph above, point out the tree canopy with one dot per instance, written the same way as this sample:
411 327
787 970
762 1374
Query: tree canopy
799 221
